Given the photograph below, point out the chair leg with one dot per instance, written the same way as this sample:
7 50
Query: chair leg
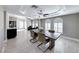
41 49
33 40
52 44
45 50
39 44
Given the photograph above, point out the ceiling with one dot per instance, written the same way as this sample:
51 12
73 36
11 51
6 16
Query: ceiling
33 13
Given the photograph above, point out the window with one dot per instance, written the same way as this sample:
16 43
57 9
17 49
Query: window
35 23
58 25
55 27
21 24
47 25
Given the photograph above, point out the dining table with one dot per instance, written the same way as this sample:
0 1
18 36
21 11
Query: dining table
53 36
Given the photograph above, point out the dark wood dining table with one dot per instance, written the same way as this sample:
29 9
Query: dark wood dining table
53 36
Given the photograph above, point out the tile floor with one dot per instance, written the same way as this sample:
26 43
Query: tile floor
21 44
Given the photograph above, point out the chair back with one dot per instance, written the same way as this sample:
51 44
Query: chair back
41 37
32 33
51 31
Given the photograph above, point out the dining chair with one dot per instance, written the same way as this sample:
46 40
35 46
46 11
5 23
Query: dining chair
34 36
51 31
42 40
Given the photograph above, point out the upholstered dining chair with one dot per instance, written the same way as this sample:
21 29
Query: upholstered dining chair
42 40
34 36
51 31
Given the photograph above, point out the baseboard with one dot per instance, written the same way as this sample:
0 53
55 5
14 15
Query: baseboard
74 39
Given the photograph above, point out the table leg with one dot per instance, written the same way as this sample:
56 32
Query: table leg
51 44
